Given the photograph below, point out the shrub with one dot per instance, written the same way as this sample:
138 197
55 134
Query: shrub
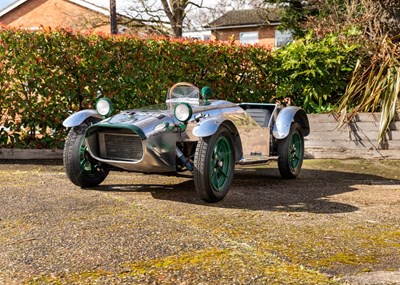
314 72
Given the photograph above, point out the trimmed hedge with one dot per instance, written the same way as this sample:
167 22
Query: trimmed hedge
47 75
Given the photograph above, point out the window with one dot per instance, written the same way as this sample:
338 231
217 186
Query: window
248 38
282 38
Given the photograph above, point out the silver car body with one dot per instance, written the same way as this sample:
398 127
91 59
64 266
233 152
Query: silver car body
150 139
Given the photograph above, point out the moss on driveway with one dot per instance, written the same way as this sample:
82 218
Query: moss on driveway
338 223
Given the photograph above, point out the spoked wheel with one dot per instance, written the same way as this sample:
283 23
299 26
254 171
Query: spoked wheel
214 166
82 169
291 152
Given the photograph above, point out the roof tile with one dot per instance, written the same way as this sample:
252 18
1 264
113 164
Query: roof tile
259 16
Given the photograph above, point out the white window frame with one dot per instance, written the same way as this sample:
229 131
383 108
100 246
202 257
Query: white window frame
249 37
282 38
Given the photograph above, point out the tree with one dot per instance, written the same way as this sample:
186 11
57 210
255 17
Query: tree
390 16
166 17
297 14
176 13
113 17
179 14
162 14
208 13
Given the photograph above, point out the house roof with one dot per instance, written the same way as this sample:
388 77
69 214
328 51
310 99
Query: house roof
11 7
88 5
246 18
125 21
91 6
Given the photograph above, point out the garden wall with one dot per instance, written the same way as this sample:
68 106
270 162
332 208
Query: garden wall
358 139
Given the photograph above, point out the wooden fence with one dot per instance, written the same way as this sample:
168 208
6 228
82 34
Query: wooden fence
358 139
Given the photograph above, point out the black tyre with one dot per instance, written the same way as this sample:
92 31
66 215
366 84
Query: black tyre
80 167
291 152
214 165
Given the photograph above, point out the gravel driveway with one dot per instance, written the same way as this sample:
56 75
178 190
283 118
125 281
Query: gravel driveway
338 223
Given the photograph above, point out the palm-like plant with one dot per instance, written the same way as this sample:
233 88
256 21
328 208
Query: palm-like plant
375 86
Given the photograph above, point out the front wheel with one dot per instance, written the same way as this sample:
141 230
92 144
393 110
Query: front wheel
214 165
82 169
291 152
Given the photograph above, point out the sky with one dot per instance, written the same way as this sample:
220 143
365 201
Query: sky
121 2
4 3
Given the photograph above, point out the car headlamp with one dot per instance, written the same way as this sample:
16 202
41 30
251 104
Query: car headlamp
104 107
183 112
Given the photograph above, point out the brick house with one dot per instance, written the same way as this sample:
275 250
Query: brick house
253 26
73 14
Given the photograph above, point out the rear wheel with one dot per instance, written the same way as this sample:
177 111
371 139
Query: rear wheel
214 166
291 152
82 169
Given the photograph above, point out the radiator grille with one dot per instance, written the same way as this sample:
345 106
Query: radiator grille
120 146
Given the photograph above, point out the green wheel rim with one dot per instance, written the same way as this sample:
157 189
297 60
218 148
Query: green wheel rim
221 164
88 166
295 151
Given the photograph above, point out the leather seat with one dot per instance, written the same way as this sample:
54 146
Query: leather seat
261 116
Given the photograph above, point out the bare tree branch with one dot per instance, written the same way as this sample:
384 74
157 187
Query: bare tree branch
174 15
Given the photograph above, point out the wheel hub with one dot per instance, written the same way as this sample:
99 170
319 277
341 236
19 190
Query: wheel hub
220 167
295 150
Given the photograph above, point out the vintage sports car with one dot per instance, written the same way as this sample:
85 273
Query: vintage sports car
189 132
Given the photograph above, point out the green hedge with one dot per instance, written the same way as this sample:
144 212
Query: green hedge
47 75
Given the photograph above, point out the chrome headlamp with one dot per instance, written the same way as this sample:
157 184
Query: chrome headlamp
183 112
104 107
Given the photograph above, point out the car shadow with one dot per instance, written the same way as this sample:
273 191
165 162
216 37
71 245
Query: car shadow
264 189
32 161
